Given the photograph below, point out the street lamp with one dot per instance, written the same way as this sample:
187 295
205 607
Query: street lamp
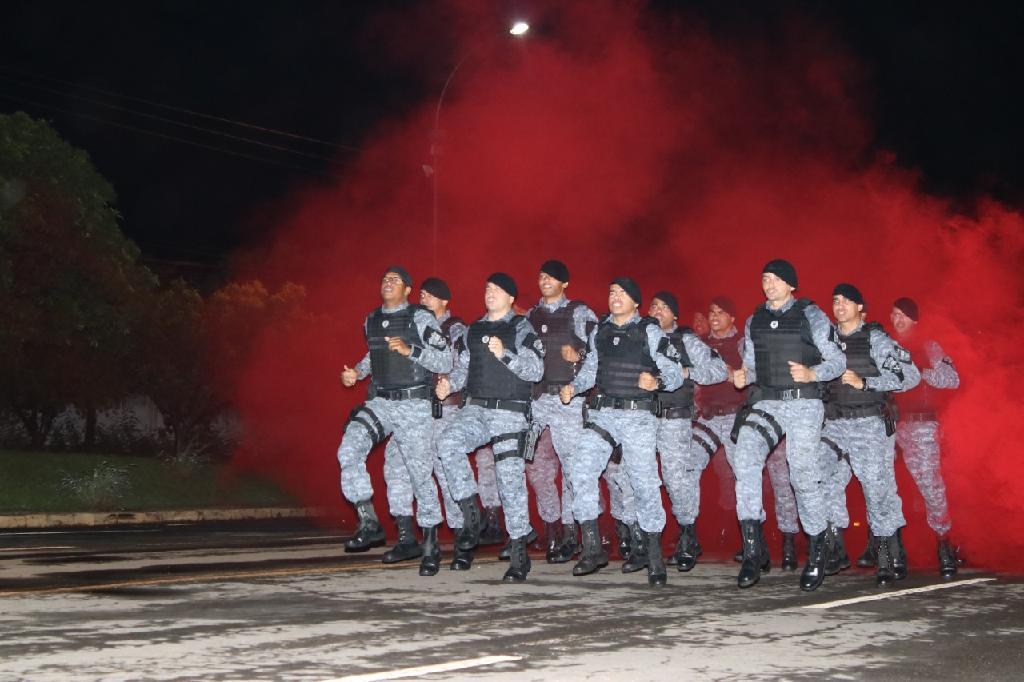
518 29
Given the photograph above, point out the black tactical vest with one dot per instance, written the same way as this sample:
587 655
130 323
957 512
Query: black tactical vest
392 370
857 347
623 353
489 377
779 339
457 346
721 398
682 396
556 329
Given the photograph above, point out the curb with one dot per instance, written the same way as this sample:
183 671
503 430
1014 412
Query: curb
130 518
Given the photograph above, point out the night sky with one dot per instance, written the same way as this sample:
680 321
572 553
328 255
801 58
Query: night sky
117 79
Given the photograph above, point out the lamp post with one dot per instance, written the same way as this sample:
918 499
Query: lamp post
517 29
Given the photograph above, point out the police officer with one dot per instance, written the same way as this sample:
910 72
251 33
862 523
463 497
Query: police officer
405 347
917 429
718 405
435 296
629 358
789 349
500 359
563 326
682 461
859 431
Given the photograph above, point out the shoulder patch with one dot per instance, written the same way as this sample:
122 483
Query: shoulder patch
436 340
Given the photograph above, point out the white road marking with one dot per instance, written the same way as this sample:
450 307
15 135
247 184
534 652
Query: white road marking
419 671
900 593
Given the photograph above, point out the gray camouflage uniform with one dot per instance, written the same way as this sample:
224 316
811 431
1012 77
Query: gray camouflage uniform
474 426
800 421
396 478
861 443
635 430
406 421
564 424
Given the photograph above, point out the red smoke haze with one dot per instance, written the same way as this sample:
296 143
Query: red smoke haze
623 144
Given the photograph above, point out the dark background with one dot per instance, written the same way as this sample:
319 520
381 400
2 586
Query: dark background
120 78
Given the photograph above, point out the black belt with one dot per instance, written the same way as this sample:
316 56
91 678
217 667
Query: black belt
834 411
521 406
401 393
598 402
812 392
540 389
676 413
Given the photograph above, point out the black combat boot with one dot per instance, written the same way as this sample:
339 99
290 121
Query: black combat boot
520 562
755 556
687 549
554 541
407 547
469 537
947 557
867 559
494 530
594 556
506 550
430 564
789 562
838 560
655 561
885 573
818 553
639 557
369 533
899 554
569 547
623 534
463 560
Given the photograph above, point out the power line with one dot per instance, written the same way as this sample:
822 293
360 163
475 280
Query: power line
163 119
168 137
183 110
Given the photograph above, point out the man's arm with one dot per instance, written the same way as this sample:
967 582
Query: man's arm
587 375
583 322
708 366
670 371
942 373
527 359
898 372
747 353
363 367
460 370
833 360
433 352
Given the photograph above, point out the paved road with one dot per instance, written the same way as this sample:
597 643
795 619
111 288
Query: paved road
286 603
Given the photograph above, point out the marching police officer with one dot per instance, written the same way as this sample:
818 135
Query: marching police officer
500 359
917 429
859 431
406 347
629 358
564 326
790 349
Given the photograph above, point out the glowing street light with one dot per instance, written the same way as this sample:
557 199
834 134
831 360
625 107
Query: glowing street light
519 28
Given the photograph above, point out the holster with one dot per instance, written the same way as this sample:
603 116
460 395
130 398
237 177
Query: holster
889 419
741 416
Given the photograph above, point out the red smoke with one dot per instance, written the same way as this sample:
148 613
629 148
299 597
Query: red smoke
622 143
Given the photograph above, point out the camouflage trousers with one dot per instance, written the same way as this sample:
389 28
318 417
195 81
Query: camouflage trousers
561 427
800 421
408 422
778 470
399 485
472 427
859 446
919 442
637 432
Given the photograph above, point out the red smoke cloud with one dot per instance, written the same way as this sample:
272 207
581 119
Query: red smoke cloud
622 143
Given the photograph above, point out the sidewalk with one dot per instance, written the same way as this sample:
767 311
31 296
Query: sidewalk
128 518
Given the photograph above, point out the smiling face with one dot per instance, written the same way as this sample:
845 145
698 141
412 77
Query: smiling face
845 310
393 290
662 313
550 288
901 323
619 302
719 320
776 289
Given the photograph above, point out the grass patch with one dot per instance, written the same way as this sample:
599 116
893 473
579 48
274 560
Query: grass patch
67 482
